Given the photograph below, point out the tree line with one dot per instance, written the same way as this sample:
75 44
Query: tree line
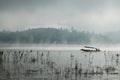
52 35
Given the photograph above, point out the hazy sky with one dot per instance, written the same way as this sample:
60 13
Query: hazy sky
93 15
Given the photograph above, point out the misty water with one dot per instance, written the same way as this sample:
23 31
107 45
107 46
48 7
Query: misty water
58 62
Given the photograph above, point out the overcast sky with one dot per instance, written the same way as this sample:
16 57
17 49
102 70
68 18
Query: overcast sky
93 15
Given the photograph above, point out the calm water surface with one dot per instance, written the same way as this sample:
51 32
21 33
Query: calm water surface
58 63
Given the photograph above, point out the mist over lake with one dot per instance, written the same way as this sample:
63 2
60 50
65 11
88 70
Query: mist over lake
59 40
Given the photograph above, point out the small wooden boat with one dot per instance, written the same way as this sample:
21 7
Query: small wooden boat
90 49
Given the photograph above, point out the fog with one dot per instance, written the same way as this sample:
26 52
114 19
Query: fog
47 39
92 15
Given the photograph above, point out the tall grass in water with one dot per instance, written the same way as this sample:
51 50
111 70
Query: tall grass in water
45 65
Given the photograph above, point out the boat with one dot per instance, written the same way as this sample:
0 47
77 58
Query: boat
90 49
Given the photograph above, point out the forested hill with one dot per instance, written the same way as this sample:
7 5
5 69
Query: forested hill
52 35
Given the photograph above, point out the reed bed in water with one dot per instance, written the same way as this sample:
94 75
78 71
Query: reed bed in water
18 64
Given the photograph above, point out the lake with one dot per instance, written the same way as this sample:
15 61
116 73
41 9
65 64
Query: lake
58 62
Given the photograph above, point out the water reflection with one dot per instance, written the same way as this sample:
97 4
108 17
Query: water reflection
22 64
